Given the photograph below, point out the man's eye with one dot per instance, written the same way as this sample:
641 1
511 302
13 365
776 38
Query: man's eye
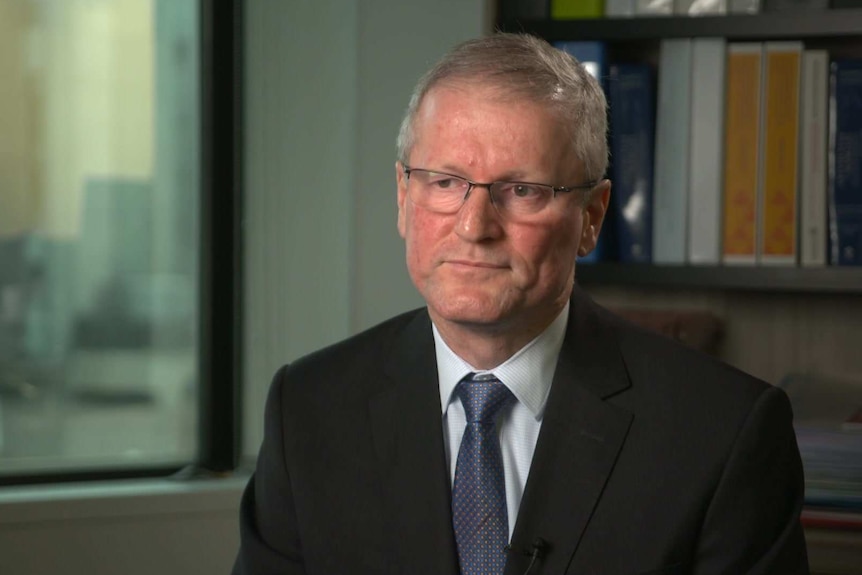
444 183
522 191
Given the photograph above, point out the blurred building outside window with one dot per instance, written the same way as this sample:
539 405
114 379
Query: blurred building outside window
99 195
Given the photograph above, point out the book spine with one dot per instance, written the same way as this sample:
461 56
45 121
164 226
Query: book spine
699 7
654 7
843 520
706 164
632 106
673 117
780 154
845 163
742 150
593 56
619 8
814 104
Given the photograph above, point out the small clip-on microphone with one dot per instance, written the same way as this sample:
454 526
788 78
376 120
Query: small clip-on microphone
535 552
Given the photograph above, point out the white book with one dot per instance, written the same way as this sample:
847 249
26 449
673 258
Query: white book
699 7
619 8
814 127
654 7
706 165
671 178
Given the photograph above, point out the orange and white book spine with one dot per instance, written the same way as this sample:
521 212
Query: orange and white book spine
742 151
779 226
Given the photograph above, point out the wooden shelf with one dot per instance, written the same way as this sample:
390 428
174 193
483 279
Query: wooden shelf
835 280
832 24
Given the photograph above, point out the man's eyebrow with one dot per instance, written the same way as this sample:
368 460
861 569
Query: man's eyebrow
511 176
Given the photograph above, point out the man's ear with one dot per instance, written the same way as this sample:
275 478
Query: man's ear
594 212
401 181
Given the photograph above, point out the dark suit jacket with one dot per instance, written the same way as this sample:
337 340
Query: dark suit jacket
652 459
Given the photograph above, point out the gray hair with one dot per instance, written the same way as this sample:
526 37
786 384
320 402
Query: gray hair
525 67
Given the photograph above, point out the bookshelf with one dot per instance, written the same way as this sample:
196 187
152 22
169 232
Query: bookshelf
777 319
638 39
833 24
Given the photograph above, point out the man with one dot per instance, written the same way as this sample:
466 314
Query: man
513 425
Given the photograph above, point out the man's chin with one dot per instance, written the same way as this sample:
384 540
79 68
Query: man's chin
471 314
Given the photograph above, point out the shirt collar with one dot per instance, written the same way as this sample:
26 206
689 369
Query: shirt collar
528 374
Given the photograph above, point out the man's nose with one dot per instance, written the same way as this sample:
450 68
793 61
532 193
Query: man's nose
478 218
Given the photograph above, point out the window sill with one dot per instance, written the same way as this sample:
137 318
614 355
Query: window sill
119 498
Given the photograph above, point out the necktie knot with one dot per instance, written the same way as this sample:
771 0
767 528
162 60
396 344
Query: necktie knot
482 397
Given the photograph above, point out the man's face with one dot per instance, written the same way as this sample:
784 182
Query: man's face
476 267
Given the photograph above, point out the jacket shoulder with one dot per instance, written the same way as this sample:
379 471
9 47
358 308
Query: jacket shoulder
349 366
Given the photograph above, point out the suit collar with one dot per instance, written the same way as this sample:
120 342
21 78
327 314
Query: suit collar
578 445
408 435
580 440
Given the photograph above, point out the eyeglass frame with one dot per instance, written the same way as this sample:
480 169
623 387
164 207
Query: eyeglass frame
471 184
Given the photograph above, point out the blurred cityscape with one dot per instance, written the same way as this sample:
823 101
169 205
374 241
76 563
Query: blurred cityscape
98 234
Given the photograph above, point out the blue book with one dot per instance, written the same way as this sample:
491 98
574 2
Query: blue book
632 136
593 56
845 163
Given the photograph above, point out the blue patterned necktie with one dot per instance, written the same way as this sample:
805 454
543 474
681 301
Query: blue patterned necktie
479 513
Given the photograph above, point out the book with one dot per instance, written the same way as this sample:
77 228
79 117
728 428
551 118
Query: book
574 9
699 7
631 91
742 151
828 518
778 221
707 148
827 419
670 183
845 162
814 118
593 57
619 8
654 7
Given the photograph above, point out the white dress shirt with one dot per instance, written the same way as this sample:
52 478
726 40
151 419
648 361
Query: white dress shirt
528 375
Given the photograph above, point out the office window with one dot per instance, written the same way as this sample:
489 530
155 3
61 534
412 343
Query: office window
99 234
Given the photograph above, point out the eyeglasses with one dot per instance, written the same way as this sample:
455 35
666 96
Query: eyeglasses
445 193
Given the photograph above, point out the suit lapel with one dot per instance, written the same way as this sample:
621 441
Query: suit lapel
406 422
579 442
